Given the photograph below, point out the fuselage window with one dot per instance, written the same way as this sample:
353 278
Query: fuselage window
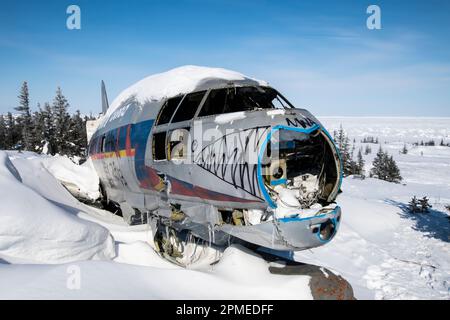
168 110
215 103
159 146
188 106
110 142
103 144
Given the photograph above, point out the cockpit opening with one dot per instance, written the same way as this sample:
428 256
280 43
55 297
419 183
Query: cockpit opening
300 173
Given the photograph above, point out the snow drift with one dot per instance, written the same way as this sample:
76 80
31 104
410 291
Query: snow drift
35 229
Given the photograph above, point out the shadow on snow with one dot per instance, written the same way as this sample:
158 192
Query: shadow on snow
434 224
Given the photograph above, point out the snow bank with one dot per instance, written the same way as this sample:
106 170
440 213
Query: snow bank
34 229
240 275
82 179
173 82
84 176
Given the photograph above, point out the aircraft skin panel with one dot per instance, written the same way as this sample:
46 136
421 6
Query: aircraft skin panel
135 143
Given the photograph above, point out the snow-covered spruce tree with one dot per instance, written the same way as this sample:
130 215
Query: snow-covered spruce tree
2 133
385 168
77 135
343 143
392 170
61 124
413 205
424 205
38 129
49 143
24 120
13 135
367 150
379 166
360 163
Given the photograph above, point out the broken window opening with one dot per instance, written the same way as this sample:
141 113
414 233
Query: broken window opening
159 146
237 99
188 106
168 110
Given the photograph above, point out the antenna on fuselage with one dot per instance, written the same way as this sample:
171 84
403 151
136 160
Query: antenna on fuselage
105 104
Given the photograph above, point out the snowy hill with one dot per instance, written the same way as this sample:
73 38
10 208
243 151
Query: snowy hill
385 252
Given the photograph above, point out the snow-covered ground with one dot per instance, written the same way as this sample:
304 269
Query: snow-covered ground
48 239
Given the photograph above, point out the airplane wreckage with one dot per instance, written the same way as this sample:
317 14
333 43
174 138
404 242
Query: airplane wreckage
212 155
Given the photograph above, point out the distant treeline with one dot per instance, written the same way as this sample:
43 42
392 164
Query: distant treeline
50 129
431 143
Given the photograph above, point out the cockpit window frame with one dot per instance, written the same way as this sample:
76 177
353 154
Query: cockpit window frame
282 100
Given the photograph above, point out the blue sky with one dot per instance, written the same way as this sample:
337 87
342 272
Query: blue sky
319 54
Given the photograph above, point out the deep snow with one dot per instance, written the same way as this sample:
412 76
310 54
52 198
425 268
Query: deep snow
382 250
36 229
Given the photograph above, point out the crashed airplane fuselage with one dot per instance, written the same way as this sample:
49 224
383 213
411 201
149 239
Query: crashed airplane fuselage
218 155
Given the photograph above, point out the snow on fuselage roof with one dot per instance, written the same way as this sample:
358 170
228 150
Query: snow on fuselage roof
177 81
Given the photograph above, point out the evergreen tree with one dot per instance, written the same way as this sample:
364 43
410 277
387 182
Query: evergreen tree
360 163
49 143
77 135
379 168
24 120
413 205
343 143
385 168
392 170
38 129
424 205
2 133
442 143
12 135
61 123
367 150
